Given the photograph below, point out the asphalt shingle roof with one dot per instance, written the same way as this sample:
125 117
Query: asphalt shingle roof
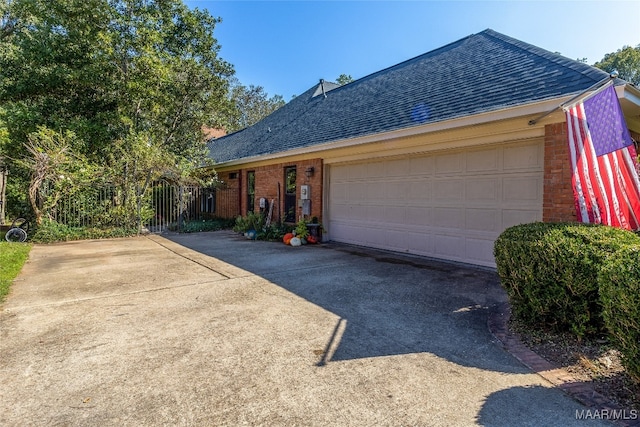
483 72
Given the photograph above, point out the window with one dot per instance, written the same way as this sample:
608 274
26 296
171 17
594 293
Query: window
251 191
290 194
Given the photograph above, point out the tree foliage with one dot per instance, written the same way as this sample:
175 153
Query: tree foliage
130 82
343 79
625 61
55 170
252 104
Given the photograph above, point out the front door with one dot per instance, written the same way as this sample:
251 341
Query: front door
290 194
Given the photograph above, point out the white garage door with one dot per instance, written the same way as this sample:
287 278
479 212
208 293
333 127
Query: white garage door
450 205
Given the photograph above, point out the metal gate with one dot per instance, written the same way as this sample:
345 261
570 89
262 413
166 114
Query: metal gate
172 206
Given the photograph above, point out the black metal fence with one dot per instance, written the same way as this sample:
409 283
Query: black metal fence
170 205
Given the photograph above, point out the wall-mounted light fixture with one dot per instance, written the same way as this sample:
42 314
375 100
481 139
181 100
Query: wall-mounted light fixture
309 172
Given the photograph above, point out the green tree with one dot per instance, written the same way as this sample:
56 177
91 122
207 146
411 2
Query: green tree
625 61
56 171
169 77
133 80
7 21
251 104
343 79
52 73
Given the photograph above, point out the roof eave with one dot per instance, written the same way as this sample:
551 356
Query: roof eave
527 112
629 96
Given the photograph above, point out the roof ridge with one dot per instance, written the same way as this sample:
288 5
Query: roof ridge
400 64
572 64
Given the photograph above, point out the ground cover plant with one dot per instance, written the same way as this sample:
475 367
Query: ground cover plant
196 226
51 232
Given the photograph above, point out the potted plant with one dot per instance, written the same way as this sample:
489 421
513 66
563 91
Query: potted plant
301 229
315 229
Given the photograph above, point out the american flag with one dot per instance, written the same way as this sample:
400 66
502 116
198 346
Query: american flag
604 163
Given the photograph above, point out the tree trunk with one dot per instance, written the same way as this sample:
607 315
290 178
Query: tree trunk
34 199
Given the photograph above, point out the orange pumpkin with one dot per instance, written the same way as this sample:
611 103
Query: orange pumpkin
311 239
287 238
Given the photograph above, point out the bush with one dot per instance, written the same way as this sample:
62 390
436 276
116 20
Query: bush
274 232
550 272
619 283
301 229
253 221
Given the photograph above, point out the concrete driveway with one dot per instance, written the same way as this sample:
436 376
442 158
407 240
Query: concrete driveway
211 329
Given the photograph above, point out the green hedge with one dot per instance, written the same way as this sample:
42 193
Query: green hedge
550 272
619 283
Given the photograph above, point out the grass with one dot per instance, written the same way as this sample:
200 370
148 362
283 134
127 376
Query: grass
12 258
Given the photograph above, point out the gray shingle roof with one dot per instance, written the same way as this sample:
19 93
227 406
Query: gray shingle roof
483 72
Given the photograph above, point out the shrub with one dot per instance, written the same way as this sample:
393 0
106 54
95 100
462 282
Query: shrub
619 283
550 272
274 232
253 221
301 229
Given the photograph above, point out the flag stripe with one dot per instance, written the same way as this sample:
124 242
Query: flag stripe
603 162
574 148
629 182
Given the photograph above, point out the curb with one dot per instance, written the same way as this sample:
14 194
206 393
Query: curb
583 392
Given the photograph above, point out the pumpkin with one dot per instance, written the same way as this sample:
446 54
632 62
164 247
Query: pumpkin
296 241
311 240
287 238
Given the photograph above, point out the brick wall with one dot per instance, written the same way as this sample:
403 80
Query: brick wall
558 203
267 179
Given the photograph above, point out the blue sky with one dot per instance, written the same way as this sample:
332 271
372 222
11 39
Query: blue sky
287 46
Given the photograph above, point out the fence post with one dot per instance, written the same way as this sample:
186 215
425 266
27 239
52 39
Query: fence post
180 194
3 185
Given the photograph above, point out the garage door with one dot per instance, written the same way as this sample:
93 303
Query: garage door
450 205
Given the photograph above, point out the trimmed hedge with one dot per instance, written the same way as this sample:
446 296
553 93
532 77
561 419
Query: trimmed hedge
550 272
619 283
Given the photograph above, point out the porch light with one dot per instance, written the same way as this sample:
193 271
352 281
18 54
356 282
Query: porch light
309 171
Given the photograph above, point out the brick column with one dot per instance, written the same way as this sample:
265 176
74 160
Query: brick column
558 202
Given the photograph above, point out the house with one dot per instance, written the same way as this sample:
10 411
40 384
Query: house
434 156
211 133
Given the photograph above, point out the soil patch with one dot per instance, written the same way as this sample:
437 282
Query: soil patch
594 361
